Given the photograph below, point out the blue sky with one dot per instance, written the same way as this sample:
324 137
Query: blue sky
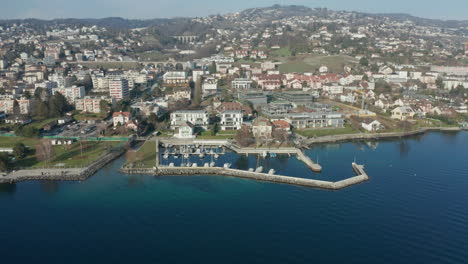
47 9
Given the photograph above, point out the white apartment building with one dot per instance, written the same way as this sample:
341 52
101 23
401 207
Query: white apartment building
231 120
100 84
210 86
71 93
241 84
175 78
198 118
7 102
92 104
118 89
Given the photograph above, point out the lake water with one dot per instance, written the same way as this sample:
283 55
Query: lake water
414 209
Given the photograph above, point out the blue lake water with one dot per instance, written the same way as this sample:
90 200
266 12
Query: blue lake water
414 209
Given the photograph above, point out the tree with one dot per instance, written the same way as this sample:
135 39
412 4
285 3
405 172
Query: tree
44 150
5 163
212 68
440 83
42 109
179 67
197 95
58 105
105 107
16 108
214 129
364 62
244 137
19 150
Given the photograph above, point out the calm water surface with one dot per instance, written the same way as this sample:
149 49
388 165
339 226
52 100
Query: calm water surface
414 209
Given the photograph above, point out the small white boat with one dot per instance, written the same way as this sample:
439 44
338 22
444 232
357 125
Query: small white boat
186 155
216 156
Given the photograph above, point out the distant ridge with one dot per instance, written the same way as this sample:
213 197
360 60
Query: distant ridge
265 13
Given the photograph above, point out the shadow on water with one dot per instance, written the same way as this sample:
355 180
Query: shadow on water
49 187
450 136
242 162
403 148
134 180
7 189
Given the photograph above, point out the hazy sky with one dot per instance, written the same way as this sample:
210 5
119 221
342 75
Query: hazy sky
47 9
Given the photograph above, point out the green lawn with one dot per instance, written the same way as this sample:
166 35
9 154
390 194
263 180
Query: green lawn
72 157
219 135
9 142
298 66
144 157
282 52
40 124
85 116
325 132
311 62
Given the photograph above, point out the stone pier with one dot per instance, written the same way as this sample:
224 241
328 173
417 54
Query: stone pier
218 171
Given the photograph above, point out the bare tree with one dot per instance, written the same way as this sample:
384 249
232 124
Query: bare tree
244 137
44 150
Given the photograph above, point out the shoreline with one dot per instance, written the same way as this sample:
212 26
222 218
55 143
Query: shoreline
86 172
61 174
375 136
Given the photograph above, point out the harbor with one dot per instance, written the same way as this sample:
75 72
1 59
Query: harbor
208 158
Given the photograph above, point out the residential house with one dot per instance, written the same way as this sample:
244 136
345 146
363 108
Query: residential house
372 125
262 128
403 113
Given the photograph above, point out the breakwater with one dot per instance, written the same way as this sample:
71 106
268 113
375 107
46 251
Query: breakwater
77 174
360 177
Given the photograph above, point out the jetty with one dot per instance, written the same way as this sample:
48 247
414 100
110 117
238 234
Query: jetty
361 176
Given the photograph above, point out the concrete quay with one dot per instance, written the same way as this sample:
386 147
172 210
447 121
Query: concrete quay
218 171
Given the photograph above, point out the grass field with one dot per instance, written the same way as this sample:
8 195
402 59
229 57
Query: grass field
325 132
144 157
9 142
282 52
297 66
69 157
219 135
85 116
311 62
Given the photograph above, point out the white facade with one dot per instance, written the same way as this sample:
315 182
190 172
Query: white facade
241 84
71 93
210 86
197 118
92 104
231 120
372 126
